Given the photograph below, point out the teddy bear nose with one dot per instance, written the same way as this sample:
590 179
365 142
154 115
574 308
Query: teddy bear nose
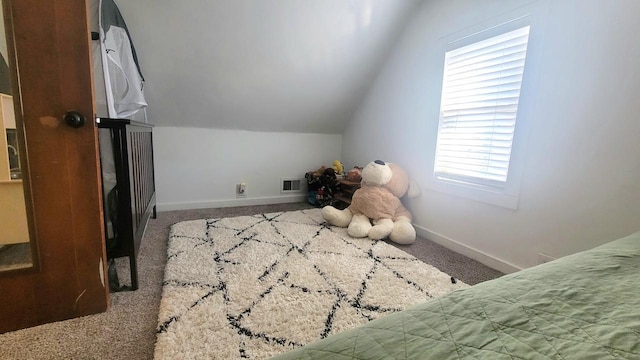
379 162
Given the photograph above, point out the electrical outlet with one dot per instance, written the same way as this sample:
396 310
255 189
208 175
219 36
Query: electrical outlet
544 258
241 190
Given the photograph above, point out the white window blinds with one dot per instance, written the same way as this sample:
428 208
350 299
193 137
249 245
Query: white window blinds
480 94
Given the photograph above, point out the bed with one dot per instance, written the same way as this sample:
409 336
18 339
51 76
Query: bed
583 306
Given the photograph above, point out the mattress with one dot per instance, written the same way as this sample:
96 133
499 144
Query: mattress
583 306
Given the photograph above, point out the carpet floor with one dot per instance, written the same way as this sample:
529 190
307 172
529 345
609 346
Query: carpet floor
128 329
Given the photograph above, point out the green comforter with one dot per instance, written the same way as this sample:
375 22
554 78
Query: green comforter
583 306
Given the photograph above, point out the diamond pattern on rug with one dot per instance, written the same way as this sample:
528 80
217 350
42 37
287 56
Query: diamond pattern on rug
256 286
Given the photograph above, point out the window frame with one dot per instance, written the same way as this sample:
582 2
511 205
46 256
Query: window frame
506 196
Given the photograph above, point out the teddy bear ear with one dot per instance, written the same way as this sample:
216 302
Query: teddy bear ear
414 189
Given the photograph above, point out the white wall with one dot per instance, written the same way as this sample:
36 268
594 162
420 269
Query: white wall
199 168
581 175
266 65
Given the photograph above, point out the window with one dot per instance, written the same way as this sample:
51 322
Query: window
479 107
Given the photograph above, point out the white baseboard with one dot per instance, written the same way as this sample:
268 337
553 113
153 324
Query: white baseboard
231 202
482 257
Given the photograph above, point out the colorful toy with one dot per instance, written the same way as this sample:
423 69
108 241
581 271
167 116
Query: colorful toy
338 167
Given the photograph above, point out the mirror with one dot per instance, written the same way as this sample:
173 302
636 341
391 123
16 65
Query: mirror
17 250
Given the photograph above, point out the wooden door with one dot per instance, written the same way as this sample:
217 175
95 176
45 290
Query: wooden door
52 52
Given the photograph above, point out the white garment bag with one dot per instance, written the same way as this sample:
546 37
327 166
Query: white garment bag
122 76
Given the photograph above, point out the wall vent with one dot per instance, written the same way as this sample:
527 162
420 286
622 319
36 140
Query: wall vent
291 186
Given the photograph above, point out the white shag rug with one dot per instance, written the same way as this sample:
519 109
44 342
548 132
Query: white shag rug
256 286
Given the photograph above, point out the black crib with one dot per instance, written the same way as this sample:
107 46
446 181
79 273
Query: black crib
133 200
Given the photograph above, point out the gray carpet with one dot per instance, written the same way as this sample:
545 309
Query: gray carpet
128 329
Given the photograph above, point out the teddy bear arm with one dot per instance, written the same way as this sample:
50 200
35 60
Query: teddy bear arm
381 229
359 226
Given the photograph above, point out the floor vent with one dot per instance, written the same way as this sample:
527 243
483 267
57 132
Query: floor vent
291 186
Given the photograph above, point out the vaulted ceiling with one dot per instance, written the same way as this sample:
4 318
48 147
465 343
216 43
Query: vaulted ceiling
262 65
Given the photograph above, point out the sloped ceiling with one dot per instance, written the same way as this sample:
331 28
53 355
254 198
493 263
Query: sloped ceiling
261 65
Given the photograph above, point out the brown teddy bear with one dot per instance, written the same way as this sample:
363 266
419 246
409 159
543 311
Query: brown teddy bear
377 202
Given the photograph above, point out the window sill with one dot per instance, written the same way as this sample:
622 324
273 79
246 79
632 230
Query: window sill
482 194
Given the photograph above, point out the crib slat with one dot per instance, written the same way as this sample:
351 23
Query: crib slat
133 158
